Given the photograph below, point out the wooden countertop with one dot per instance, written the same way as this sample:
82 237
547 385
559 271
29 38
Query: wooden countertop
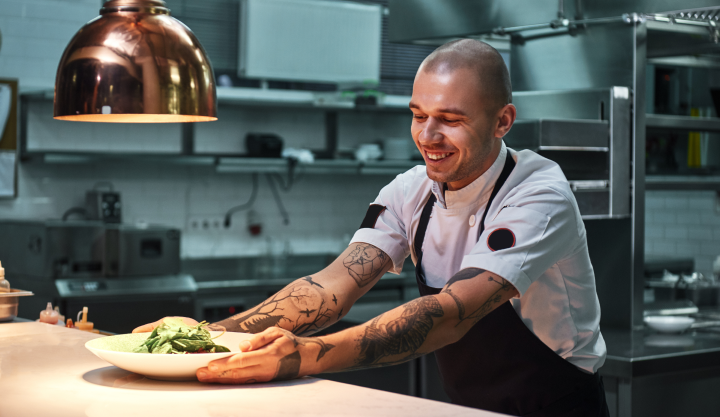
46 371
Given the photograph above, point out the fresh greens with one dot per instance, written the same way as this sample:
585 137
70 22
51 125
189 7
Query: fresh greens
174 336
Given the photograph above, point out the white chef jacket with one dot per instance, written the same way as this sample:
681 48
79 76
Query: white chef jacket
548 264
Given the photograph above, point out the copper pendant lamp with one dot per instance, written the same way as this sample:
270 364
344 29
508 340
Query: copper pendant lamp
135 64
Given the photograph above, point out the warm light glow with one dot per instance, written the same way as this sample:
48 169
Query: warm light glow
136 118
175 75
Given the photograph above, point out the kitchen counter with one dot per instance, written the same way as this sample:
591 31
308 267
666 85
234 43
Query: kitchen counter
646 353
653 374
46 370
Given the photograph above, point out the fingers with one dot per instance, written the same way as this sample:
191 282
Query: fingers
147 327
261 339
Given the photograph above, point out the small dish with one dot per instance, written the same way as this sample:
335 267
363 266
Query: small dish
669 324
118 351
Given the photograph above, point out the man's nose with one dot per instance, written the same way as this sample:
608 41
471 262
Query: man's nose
431 133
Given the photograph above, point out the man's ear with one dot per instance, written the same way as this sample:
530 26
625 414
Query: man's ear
506 118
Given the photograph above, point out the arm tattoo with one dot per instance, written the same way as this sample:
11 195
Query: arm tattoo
320 320
365 263
302 295
399 338
487 306
288 367
303 341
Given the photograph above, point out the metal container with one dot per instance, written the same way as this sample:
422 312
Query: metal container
9 303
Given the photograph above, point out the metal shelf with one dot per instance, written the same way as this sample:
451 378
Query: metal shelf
282 98
682 183
295 98
321 166
664 121
234 164
95 157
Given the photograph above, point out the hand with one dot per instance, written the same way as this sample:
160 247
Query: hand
273 355
146 328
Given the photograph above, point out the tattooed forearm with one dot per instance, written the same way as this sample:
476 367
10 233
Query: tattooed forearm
487 306
319 319
398 340
299 307
304 341
365 263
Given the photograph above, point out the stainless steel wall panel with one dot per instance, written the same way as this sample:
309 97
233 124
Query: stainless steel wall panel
427 19
600 56
588 104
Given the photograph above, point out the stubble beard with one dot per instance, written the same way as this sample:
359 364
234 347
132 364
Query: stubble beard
467 168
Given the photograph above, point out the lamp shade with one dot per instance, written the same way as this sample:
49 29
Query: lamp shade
135 64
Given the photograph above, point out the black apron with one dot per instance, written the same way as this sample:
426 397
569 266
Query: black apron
500 365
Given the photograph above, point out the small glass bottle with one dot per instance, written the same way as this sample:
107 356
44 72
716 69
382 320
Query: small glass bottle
49 315
4 284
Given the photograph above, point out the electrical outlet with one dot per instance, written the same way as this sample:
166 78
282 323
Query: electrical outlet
205 223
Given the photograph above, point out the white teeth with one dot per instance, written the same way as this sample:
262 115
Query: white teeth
437 156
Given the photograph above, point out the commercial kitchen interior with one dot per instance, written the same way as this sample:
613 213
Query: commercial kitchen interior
645 74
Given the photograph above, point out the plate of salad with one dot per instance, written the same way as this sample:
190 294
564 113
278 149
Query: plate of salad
173 351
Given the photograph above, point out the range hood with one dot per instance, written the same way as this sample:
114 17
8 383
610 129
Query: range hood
434 22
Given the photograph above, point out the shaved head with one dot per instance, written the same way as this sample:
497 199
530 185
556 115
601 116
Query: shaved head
481 59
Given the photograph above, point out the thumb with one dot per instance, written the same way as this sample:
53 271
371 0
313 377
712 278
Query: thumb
145 328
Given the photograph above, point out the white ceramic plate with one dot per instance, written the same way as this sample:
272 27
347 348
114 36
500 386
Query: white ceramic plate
118 351
669 324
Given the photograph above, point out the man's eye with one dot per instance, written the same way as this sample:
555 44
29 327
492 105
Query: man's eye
451 121
418 117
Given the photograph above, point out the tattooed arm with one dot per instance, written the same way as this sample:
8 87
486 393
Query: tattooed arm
314 302
411 330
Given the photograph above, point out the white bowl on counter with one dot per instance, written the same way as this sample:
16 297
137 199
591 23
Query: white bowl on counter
117 351
669 324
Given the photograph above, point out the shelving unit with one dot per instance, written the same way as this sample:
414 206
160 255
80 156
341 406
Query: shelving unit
687 123
328 102
682 183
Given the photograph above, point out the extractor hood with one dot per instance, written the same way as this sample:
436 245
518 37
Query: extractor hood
435 22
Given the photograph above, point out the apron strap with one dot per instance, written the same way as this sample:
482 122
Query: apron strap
420 236
427 210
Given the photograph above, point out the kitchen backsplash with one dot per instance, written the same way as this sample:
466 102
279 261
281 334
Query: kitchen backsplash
324 211
683 224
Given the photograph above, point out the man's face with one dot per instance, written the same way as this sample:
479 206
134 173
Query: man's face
452 126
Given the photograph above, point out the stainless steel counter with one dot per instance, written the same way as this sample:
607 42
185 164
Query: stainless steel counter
653 374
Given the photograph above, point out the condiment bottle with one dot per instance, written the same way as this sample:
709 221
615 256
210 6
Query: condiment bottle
49 315
61 318
84 324
4 284
69 323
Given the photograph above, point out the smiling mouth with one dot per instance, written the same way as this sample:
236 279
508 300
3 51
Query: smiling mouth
437 156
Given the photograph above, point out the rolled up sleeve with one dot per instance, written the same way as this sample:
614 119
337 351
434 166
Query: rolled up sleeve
389 233
543 231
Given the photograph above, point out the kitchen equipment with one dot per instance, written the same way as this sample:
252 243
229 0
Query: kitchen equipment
9 303
118 351
104 206
263 145
368 152
126 275
669 324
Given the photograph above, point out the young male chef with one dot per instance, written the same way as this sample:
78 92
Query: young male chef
508 301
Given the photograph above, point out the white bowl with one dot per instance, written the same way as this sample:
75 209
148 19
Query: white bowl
669 324
118 351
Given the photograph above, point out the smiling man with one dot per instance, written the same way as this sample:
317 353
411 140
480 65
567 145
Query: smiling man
508 301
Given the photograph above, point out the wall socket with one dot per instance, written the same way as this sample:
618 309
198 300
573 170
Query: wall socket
206 223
